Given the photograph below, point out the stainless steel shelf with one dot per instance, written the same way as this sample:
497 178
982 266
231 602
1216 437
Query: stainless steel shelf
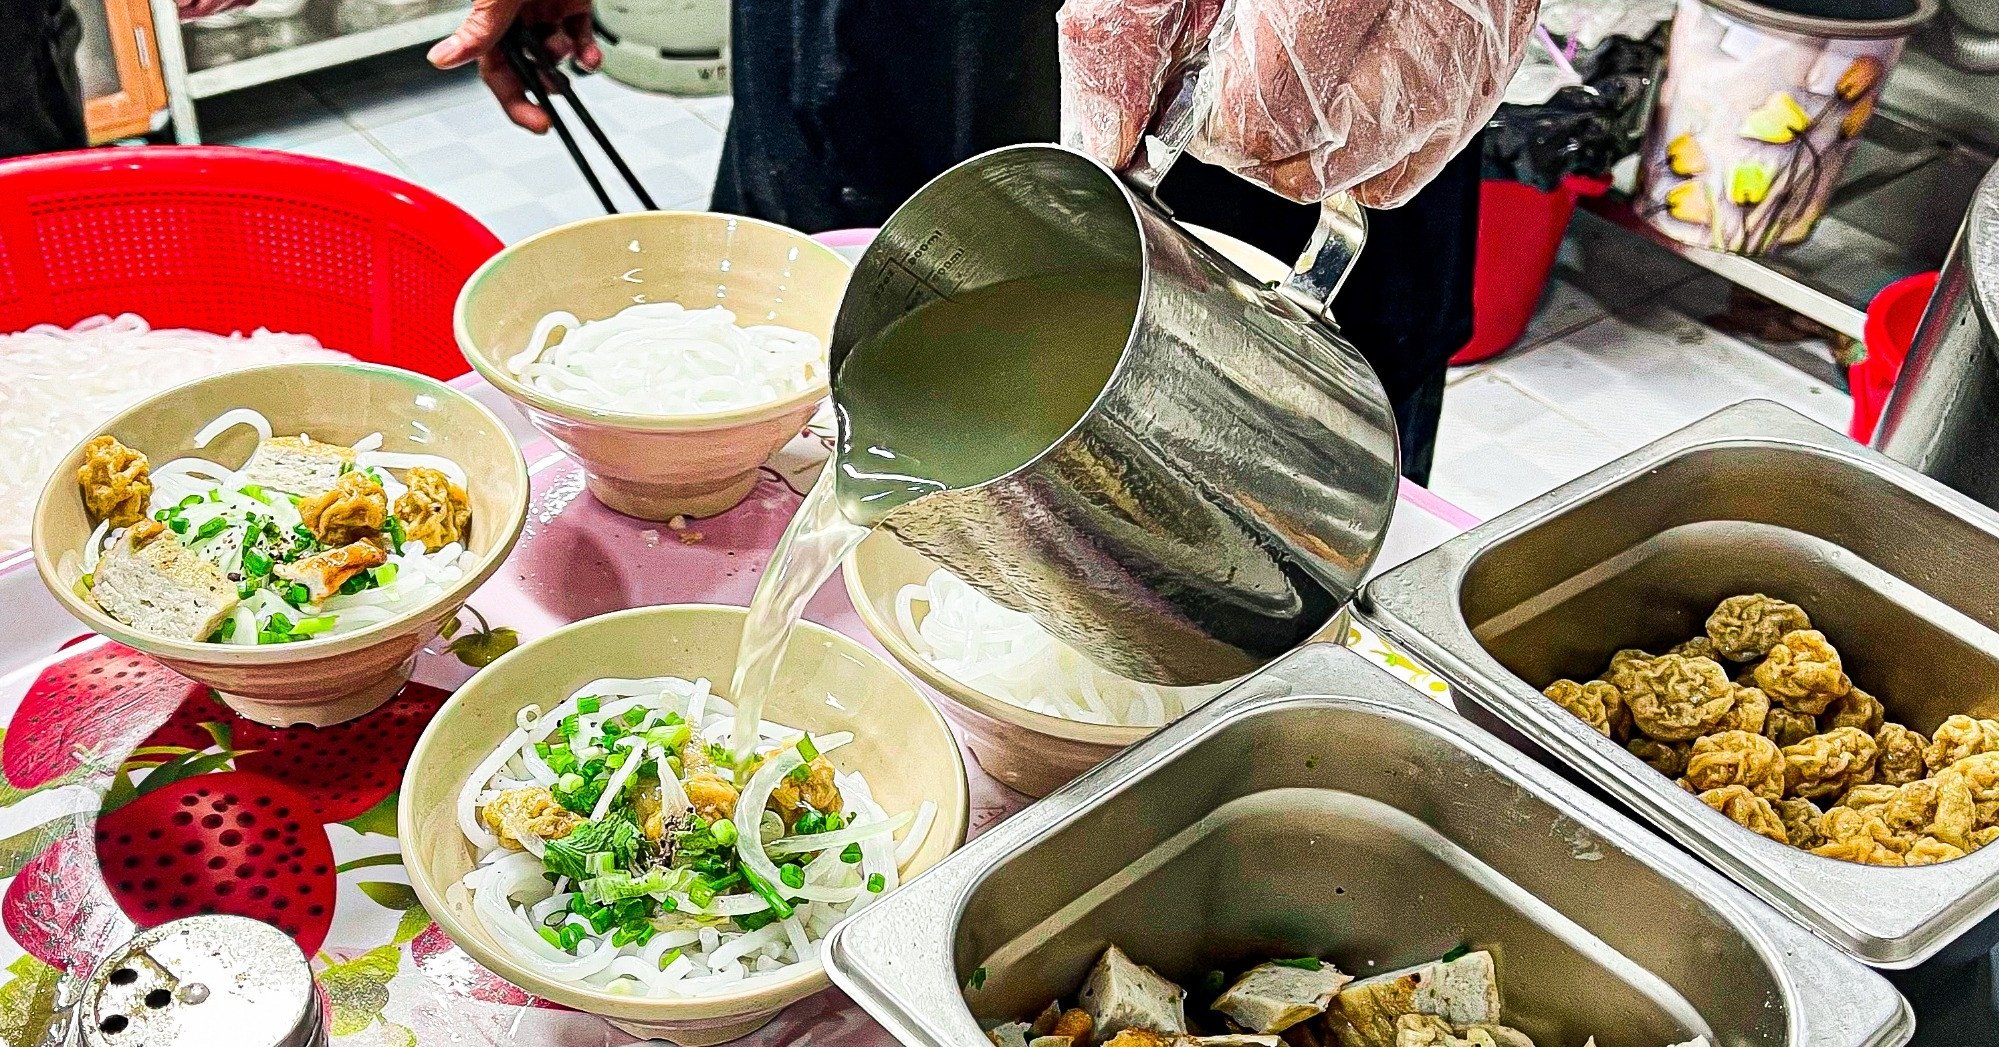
1896 211
320 53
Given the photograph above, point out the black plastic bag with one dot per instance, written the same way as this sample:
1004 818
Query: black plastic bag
1585 129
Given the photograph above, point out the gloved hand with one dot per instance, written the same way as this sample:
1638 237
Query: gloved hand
562 26
1311 96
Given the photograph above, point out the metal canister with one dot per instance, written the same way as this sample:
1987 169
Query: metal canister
1943 417
1231 484
202 980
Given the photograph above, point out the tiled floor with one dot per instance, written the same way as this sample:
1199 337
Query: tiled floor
1616 356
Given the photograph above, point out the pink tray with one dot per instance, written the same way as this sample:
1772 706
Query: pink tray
390 976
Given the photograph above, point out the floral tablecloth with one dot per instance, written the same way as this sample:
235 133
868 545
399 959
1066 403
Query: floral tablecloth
303 831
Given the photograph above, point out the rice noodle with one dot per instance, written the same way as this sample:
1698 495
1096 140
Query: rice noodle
58 386
716 952
1008 655
660 358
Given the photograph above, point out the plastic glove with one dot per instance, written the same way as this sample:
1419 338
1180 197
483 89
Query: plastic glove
1310 96
562 26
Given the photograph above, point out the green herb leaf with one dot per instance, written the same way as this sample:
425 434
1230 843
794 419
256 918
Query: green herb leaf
978 979
615 837
397 896
1303 963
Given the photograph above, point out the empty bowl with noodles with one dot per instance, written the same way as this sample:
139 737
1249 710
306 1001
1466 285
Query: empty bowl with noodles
669 353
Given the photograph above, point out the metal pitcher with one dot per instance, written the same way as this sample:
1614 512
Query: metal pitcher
1225 494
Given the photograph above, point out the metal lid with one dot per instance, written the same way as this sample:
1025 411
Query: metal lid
203 980
1981 244
1827 19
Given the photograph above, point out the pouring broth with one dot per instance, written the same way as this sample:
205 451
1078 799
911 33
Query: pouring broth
957 392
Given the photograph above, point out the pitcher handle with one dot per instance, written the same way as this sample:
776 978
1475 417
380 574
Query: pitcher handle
1336 243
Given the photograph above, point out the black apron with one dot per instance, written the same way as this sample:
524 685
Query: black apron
41 102
844 108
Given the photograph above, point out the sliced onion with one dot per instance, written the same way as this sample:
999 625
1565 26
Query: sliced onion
230 420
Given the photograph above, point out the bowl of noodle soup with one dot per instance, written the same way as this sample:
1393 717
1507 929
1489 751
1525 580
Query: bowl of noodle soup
892 752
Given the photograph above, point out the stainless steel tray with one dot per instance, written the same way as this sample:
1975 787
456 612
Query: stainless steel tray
1895 568
1374 827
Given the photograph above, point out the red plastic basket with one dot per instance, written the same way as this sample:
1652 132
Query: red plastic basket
225 239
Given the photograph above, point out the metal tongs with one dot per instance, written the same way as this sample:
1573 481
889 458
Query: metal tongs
544 79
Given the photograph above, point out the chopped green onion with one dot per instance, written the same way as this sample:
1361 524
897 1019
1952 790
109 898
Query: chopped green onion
568 726
769 894
806 749
756 921
360 582
561 761
672 737
588 704
792 875
615 760
255 491
811 823
255 563
179 525
569 783
189 502
279 624
386 574
211 528
542 750
852 854
571 936
701 891
298 595
549 935
1303 963
396 534
581 905
635 715
313 626
600 921
229 627
724 832
214 496
877 883
666 959
800 772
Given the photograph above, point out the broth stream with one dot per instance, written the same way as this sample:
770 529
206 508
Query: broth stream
955 393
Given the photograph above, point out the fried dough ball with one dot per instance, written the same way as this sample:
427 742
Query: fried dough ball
1075 1023
1930 851
1827 765
1803 672
117 482
532 811
1618 675
1979 775
1589 702
1737 758
1788 726
1863 836
1747 627
1901 760
1748 810
1862 797
352 510
436 511
1674 698
1801 821
1856 709
1958 737
1669 759
1861 849
1942 807
793 797
712 795
1751 712
1983 837
1698 647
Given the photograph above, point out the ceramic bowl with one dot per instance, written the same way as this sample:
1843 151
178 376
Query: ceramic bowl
655 466
335 678
828 683
1032 752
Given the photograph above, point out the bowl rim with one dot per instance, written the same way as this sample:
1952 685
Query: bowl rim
504 381
889 635
201 652
953 820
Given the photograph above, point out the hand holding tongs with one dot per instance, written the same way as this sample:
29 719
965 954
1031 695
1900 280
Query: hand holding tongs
542 76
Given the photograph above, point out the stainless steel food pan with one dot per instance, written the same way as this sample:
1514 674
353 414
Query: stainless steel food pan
1374 827
1901 573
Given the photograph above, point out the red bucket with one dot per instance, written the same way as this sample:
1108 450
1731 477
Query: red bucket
1519 231
1892 319
223 239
